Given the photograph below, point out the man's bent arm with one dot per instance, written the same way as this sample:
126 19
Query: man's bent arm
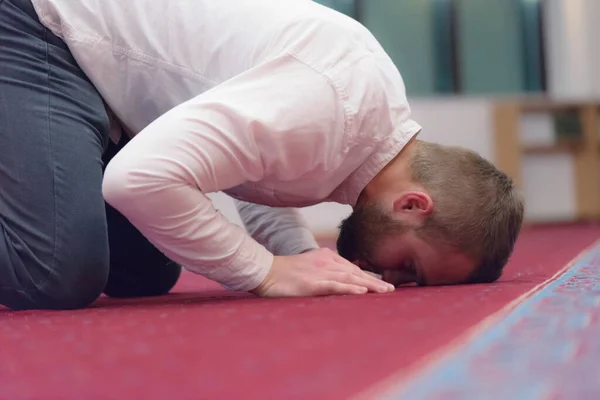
279 120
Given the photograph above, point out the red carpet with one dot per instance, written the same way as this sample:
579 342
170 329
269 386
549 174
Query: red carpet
204 343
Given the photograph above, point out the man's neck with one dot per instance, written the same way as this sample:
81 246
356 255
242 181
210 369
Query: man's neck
395 176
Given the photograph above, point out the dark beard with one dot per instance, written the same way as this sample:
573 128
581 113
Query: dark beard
348 241
362 230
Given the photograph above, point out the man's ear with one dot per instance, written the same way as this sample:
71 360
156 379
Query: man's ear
413 206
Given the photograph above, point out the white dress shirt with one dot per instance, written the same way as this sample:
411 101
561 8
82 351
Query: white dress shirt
279 103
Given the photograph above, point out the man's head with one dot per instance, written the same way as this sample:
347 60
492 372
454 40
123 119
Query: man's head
434 215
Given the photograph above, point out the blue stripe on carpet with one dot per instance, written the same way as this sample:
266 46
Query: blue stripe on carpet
547 347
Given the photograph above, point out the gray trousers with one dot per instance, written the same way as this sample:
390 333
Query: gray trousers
61 245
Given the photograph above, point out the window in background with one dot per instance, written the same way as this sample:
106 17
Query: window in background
447 79
481 47
347 7
490 50
499 46
535 67
406 30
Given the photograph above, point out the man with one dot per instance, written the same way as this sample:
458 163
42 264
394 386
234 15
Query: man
279 103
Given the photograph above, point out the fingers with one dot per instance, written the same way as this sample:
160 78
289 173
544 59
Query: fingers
361 279
355 266
374 275
327 288
341 260
374 279
361 265
345 264
322 273
370 280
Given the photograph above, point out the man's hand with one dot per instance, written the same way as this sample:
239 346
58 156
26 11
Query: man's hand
317 273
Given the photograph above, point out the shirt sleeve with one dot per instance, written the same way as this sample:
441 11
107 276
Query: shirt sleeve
279 120
283 231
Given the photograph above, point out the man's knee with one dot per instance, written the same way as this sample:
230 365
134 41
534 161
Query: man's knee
71 279
74 290
61 290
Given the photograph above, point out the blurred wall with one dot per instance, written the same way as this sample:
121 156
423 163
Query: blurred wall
457 57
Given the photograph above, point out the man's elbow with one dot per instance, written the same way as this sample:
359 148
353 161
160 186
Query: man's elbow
134 185
118 189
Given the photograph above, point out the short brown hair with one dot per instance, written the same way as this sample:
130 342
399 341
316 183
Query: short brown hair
477 208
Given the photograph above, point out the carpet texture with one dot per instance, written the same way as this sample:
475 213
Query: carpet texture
204 343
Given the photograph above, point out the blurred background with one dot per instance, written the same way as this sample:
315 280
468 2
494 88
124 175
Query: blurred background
518 81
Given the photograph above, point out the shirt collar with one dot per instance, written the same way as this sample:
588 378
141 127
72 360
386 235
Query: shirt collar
383 153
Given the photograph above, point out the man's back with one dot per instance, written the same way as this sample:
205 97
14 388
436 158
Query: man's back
145 57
